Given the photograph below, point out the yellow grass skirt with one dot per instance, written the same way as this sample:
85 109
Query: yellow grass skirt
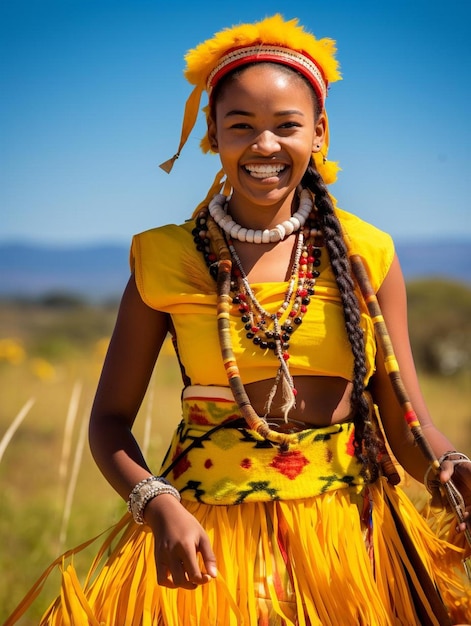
352 554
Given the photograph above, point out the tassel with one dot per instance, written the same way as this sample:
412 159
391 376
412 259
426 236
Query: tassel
289 401
189 120
272 393
167 165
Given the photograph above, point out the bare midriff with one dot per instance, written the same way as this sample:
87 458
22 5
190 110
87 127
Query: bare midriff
320 400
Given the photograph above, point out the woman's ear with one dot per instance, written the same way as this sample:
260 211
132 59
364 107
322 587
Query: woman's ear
212 135
319 133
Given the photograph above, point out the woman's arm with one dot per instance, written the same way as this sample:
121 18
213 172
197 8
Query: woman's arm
135 344
134 347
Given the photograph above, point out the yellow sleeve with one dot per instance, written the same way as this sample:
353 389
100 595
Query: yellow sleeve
374 246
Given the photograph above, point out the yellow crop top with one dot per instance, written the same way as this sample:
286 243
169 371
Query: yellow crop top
171 276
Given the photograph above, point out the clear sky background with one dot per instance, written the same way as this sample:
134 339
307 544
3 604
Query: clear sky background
92 95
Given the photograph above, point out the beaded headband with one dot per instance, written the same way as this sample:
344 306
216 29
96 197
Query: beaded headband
272 39
300 61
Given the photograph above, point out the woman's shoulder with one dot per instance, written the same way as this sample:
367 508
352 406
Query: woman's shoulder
373 245
358 229
165 262
162 241
168 232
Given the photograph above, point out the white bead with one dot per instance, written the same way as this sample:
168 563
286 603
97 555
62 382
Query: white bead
234 230
229 226
225 220
280 228
241 234
218 214
249 236
289 227
296 223
274 235
257 238
219 199
266 236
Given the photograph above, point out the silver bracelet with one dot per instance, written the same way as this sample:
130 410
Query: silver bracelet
145 491
461 458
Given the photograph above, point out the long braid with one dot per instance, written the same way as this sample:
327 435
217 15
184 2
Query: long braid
366 444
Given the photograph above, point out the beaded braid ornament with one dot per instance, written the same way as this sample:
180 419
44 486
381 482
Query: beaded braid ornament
263 328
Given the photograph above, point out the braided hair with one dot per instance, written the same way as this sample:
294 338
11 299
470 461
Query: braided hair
366 444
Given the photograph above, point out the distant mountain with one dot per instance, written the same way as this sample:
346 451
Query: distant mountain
449 259
100 272
92 271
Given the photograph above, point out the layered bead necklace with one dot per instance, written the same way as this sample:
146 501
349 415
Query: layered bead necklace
265 329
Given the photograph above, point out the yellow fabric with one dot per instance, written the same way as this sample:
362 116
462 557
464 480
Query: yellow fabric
235 465
171 276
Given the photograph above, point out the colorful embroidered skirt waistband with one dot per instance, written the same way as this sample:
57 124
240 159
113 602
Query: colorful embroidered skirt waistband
212 462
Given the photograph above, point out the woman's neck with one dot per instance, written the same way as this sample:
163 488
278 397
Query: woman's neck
261 216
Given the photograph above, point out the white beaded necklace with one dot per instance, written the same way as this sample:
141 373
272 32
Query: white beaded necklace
218 211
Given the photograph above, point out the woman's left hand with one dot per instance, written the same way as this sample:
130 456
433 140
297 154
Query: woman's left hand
459 471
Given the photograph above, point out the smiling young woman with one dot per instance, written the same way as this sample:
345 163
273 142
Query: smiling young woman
277 502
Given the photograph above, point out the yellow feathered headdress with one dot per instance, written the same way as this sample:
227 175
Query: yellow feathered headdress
273 39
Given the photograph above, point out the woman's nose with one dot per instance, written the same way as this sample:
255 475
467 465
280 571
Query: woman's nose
266 143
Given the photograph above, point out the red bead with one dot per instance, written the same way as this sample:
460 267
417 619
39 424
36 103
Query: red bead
303 308
285 356
212 257
292 313
255 329
295 392
302 293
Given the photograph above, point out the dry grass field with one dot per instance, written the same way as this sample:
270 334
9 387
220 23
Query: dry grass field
53 496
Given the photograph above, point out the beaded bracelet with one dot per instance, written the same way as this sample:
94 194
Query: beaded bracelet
145 491
461 458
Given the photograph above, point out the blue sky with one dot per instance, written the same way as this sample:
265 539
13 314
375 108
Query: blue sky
93 94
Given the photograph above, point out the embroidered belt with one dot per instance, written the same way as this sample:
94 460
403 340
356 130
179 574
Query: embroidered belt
213 458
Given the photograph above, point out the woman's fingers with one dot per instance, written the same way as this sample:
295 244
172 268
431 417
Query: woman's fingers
174 575
184 570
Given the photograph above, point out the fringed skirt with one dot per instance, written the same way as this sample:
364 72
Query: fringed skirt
299 539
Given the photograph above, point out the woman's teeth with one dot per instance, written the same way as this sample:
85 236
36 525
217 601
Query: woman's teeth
264 171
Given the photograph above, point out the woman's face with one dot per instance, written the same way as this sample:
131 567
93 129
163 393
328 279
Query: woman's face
265 130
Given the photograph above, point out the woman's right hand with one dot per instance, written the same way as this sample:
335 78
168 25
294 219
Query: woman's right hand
178 539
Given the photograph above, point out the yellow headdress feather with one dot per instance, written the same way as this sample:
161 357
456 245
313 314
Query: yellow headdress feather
290 45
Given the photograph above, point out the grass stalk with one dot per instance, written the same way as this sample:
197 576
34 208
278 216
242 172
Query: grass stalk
7 437
73 479
68 430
